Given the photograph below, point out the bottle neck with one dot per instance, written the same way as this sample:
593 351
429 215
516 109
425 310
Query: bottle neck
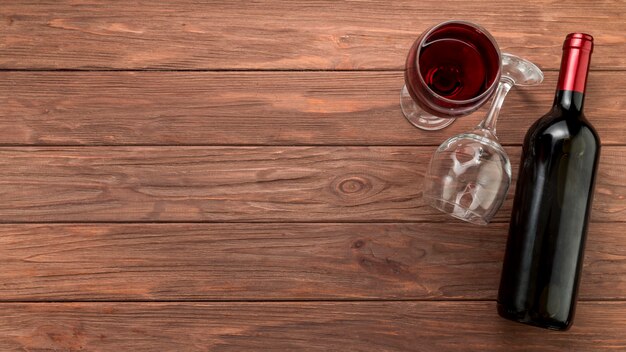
570 90
569 101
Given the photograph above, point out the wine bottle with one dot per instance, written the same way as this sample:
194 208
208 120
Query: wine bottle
544 251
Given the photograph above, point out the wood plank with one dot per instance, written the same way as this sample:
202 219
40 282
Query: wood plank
294 184
260 108
321 326
187 34
276 261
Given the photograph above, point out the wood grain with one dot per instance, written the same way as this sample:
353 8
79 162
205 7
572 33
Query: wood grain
187 34
276 262
292 184
329 326
260 108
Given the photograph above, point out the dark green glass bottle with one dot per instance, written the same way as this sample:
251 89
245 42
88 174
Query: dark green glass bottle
545 247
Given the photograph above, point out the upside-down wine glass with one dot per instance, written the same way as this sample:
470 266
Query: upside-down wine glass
470 173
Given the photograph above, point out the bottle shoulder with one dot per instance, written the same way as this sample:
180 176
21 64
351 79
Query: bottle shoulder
590 128
557 125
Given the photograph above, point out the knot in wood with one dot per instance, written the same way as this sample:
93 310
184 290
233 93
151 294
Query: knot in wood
355 189
354 185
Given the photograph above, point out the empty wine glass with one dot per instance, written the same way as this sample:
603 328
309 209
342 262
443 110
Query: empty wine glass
452 69
470 173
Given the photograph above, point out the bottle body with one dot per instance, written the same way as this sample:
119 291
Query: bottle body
547 233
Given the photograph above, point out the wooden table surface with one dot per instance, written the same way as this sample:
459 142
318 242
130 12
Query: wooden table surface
238 175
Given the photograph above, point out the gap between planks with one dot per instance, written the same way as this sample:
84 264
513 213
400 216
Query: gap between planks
277 301
593 69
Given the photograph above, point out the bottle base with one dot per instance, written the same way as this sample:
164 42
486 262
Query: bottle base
525 317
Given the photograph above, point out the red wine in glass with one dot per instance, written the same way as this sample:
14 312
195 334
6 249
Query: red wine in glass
452 69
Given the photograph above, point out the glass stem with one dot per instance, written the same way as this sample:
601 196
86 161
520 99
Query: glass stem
489 122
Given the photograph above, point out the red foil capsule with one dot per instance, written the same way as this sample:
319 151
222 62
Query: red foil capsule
577 50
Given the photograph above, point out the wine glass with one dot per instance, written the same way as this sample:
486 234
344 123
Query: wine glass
452 70
470 173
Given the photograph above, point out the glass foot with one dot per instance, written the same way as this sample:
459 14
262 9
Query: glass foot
418 117
521 71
